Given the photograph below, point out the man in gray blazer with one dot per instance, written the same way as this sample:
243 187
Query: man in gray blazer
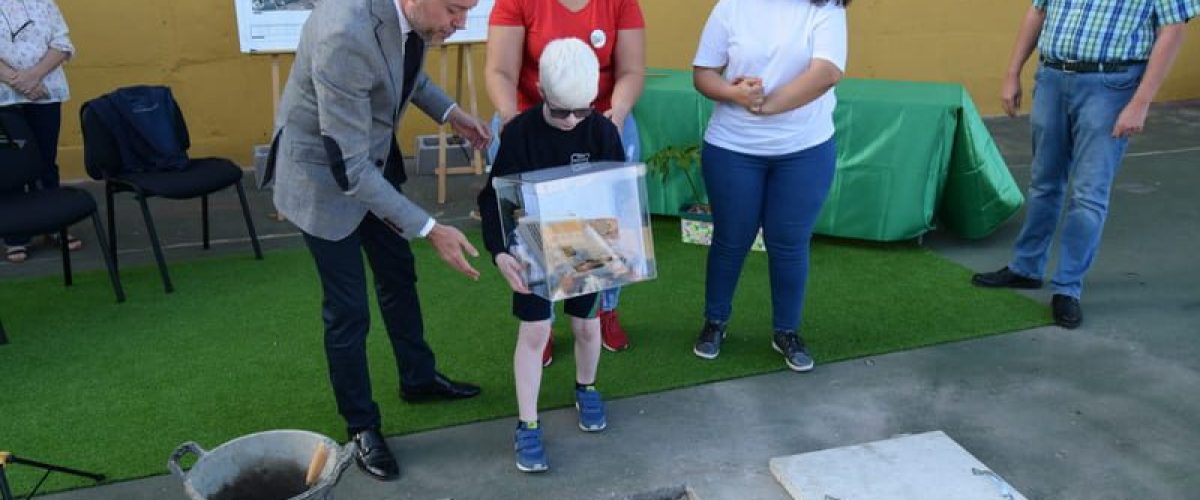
337 173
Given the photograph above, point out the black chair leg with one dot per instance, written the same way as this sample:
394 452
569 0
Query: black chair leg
249 221
204 218
3 336
66 256
158 253
109 260
112 226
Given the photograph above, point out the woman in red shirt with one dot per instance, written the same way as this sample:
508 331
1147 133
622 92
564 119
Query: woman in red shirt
519 30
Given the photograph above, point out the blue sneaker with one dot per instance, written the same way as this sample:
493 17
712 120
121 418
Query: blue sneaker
791 346
531 456
591 409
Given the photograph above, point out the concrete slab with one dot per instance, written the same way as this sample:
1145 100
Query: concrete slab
928 466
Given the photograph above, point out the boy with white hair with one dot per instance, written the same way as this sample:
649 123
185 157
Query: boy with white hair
562 130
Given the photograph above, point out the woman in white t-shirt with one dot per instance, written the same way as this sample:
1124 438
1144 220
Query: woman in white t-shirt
768 156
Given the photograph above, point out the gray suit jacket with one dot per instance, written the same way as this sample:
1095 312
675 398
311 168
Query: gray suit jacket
337 120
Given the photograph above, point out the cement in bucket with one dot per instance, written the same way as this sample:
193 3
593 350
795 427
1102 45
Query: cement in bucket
269 464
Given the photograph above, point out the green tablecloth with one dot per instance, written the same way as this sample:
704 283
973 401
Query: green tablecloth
910 155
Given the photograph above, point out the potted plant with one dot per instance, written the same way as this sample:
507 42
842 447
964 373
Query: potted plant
695 214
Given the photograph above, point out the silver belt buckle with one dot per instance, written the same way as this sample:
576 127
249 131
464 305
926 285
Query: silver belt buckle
1066 65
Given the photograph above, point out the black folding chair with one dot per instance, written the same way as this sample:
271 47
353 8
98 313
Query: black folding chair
200 178
42 211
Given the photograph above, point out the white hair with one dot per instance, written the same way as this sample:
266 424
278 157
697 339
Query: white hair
569 73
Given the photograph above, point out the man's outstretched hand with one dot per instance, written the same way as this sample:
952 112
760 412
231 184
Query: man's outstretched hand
470 128
450 245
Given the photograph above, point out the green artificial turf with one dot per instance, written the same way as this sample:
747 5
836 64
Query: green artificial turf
237 349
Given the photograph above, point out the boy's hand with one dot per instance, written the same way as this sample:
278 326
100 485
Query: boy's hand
511 269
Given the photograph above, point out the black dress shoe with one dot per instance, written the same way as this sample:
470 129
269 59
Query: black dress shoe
373 456
1004 278
438 388
1067 312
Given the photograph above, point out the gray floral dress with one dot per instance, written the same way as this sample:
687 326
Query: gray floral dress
28 28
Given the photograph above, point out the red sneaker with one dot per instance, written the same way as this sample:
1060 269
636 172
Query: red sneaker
548 353
612 336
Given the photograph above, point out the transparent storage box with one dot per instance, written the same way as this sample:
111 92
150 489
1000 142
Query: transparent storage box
578 229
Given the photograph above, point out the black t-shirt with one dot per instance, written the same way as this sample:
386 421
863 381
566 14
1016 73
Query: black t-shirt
529 143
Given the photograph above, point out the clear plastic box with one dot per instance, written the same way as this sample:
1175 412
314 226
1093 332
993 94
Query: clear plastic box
578 228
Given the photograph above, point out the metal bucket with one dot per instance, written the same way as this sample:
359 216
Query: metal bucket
260 455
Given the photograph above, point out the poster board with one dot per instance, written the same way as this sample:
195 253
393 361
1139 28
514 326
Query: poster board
273 26
477 24
270 26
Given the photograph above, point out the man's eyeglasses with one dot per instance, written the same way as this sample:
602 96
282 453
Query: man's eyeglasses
562 114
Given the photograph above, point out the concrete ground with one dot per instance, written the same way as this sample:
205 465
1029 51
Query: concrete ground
1108 411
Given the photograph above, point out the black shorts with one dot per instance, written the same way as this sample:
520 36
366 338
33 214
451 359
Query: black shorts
530 307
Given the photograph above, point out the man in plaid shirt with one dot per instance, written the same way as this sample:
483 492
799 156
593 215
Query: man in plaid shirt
1101 63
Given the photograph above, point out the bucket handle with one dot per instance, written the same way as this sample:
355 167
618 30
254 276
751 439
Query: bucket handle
179 453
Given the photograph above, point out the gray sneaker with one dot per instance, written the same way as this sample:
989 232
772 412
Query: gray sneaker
708 345
791 346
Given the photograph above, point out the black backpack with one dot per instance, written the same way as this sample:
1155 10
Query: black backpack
146 126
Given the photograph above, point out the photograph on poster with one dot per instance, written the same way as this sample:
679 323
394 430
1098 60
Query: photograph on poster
273 26
261 5
477 24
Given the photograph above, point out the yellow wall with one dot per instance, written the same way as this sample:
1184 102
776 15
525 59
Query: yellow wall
192 46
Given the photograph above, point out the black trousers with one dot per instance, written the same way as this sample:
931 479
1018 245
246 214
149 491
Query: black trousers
44 121
346 314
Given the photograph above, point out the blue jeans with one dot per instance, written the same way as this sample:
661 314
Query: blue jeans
609 299
633 152
783 196
1075 159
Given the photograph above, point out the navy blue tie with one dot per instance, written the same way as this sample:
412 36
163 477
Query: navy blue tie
414 50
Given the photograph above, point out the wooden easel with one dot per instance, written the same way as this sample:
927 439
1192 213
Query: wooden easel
276 90
465 68
463 58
